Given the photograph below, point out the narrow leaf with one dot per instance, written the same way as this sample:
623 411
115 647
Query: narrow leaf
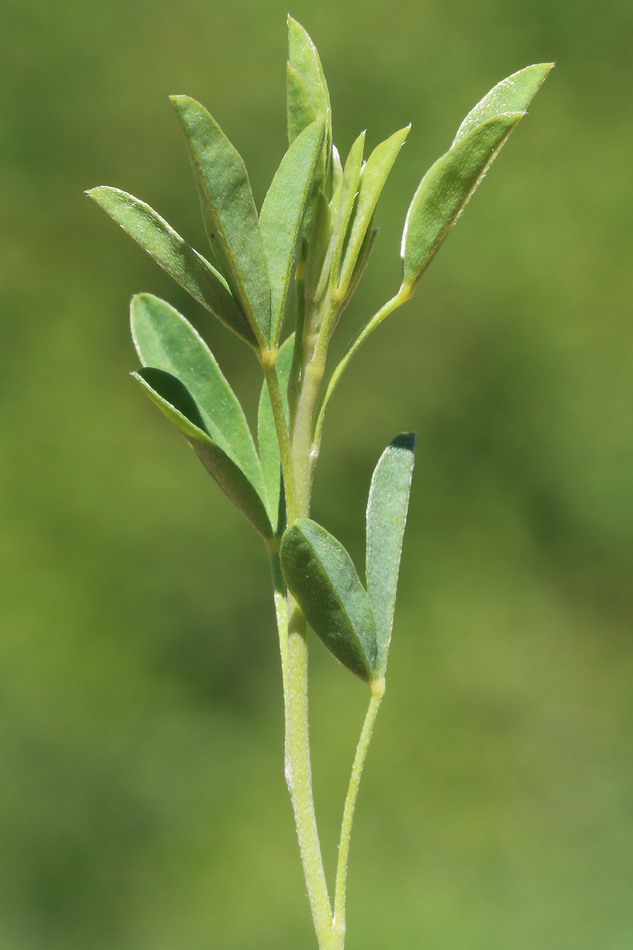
178 405
344 204
267 433
445 191
306 65
283 213
187 267
362 262
448 185
373 178
230 215
512 94
322 578
386 518
166 341
318 250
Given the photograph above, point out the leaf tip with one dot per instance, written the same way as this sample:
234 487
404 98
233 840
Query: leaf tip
181 102
404 440
96 192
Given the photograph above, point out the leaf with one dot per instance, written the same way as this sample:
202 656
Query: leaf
308 96
283 213
445 191
267 433
349 191
344 203
230 213
513 94
178 405
449 184
386 518
317 250
187 267
300 109
322 578
165 340
362 262
373 178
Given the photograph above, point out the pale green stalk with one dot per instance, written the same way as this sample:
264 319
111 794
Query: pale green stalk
338 923
298 456
294 656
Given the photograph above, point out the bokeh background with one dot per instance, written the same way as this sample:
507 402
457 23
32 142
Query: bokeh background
142 803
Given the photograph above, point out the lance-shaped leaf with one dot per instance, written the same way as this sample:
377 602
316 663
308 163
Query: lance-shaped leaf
445 191
187 267
374 175
386 518
322 578
512 94
318 249
362 262
283 213
449 184
165 340
344 204
308 96
349 190
267 433
178 405
229 212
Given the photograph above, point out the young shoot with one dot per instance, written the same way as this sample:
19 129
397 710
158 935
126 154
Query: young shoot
310 243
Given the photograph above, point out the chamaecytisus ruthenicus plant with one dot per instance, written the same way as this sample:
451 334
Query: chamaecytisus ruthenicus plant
315 232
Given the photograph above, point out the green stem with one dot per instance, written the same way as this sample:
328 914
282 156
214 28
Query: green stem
378 689
280 597
299 449
299 779
294 662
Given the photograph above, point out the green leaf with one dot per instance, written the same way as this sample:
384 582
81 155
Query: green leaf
165 340
386 518
344 202
322 578
374 175
512 94
301 110
449 184
229 212
267 433
317 249
283 213
179 406
187 267
347 202
445 191
362 262
308 96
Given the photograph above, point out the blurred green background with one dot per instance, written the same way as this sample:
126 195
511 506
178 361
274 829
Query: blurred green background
142 803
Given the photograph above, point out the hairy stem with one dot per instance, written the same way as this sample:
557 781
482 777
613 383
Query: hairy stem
378 689
294 661
299 779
